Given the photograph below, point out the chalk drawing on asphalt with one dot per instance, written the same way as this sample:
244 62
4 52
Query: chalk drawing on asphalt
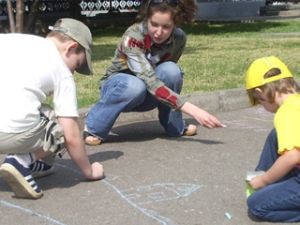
30 212
140 196
158 192
137 197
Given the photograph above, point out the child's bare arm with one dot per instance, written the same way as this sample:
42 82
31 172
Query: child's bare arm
283 165
76 149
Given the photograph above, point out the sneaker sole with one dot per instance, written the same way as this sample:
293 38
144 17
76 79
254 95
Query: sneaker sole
18 183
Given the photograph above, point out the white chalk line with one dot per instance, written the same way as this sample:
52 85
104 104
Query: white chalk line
152 214
31 212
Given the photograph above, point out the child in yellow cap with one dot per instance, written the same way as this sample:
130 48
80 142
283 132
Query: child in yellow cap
277 191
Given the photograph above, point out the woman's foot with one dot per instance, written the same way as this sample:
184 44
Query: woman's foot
89 139
190 130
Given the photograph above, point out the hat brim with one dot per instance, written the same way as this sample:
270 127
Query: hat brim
86 69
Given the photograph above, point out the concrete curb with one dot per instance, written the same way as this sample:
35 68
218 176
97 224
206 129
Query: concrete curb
213 102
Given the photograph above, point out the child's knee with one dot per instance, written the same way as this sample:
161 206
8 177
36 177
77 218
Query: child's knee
254 209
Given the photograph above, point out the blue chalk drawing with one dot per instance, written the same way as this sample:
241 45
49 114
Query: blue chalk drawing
142 195
30 212
136 197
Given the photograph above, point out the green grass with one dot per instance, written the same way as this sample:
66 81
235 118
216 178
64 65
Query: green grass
215 58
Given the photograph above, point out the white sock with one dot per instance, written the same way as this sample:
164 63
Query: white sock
24 159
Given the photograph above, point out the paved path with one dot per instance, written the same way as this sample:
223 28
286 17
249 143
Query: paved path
153 179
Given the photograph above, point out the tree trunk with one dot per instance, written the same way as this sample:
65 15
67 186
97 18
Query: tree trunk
32 17
11 17
20 16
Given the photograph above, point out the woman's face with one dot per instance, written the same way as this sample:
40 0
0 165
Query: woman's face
160 26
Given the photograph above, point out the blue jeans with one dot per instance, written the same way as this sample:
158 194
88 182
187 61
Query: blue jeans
123 92
280 201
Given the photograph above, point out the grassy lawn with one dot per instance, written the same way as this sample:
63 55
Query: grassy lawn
216 55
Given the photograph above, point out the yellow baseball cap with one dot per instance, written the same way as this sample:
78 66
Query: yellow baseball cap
258 68
81 33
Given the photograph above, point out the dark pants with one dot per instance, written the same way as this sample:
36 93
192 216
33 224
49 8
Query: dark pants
280 201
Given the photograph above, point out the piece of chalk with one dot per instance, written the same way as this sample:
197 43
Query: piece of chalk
223 125
228 216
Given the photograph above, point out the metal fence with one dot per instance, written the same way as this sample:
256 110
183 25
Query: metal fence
93 8
110 11
88 8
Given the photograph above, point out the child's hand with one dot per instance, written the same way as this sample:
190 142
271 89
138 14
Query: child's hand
97 171
257 182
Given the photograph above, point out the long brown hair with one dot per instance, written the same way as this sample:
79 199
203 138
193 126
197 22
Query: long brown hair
183 11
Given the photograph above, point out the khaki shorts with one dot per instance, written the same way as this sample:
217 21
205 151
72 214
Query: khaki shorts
47 134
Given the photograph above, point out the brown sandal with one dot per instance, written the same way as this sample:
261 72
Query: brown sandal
90 139
190 130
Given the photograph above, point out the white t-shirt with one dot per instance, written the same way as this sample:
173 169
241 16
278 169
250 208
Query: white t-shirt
31 68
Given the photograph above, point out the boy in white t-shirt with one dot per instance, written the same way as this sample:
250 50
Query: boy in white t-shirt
33 68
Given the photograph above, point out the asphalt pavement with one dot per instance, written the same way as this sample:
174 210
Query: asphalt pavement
152 179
